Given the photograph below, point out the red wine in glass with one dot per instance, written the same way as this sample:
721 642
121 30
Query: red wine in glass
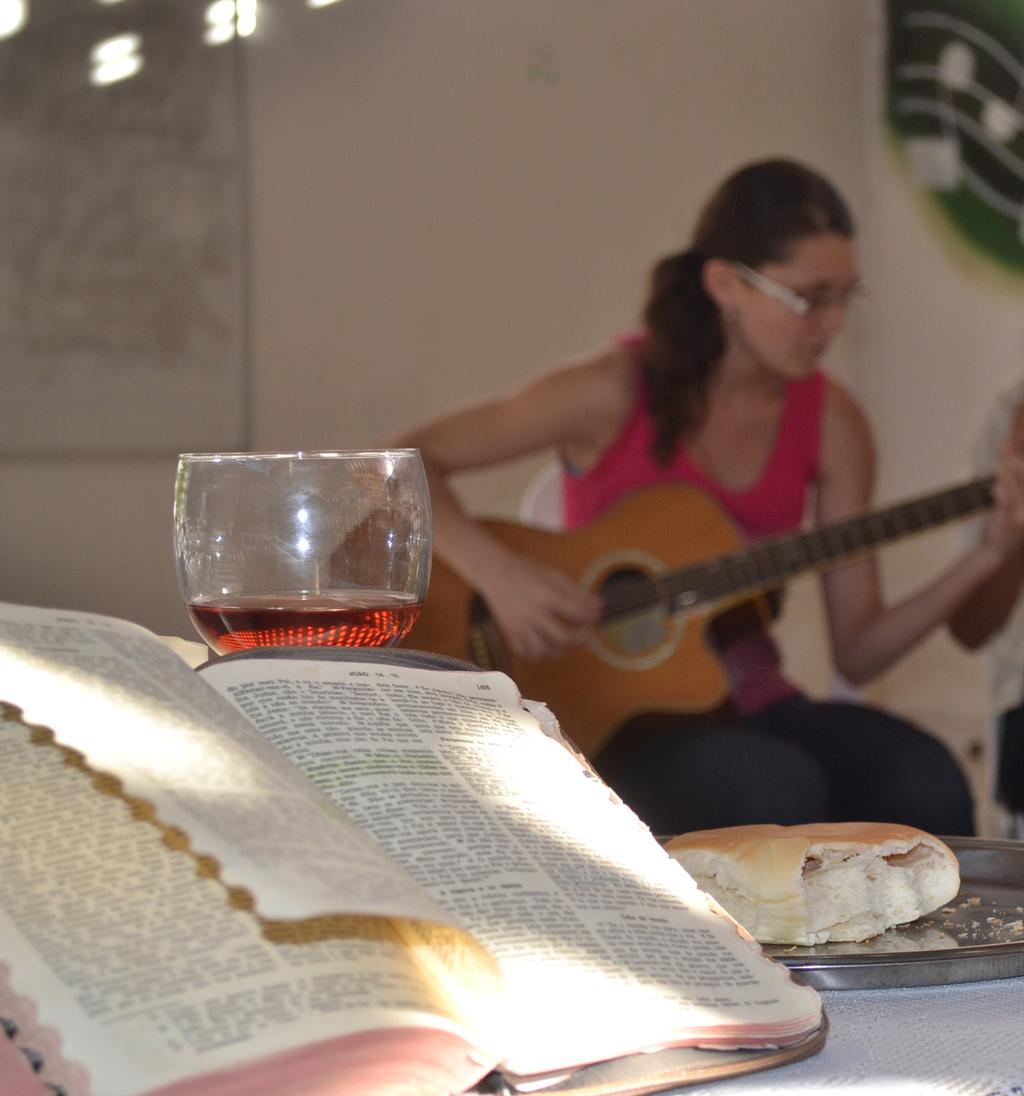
361 618
304 549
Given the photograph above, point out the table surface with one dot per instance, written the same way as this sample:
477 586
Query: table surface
964 1039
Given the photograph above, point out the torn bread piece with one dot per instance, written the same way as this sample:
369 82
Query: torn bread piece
823 881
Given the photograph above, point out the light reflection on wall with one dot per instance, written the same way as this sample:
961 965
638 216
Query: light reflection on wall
220 22
115 59
224 20
13 16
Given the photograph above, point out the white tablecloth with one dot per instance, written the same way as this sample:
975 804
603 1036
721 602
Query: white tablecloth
965 1039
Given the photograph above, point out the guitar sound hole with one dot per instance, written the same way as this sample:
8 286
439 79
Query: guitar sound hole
632 632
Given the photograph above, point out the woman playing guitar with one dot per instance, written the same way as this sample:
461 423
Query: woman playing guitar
723 388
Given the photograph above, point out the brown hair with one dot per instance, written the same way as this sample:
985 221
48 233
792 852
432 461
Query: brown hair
754 217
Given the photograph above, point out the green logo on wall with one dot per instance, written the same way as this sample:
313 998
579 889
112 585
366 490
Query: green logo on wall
955 103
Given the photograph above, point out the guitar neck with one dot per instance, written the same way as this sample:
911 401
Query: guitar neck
771 562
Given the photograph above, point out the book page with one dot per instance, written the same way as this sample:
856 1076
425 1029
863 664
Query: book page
133 709
142 974
606 943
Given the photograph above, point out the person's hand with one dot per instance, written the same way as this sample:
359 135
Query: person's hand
541 612
1004 533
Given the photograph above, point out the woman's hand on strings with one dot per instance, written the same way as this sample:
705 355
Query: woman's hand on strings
541 612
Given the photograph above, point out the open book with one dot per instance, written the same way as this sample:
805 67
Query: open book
335 874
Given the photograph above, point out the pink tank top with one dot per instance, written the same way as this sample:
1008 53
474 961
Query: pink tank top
774 504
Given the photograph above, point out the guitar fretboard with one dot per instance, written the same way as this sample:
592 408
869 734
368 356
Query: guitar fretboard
771 562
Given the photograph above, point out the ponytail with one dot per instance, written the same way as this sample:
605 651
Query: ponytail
684 343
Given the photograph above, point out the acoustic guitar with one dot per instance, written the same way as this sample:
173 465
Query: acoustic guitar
669 567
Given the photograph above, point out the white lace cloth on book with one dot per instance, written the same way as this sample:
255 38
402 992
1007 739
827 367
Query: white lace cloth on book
964 1040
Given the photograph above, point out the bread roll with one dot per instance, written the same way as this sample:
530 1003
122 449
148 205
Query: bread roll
819 882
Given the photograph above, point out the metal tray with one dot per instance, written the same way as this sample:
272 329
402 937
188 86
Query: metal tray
978 936
659 1071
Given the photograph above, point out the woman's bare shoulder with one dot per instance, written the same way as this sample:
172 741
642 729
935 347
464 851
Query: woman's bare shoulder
575 403
600 387
608 362
843 412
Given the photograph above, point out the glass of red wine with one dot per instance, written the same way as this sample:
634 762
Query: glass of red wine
308 549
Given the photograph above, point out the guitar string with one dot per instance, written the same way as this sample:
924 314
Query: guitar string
760 566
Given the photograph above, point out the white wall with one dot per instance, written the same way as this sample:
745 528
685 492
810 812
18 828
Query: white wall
443 196
447 196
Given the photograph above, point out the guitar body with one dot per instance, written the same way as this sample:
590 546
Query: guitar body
654 661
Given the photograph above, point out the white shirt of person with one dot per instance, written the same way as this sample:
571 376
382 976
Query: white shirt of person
1005 650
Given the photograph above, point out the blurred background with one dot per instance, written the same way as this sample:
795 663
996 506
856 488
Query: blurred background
302 224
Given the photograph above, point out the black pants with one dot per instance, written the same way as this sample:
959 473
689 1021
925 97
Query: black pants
796 761
1010 760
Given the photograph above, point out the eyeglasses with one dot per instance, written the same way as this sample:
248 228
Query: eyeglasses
798 304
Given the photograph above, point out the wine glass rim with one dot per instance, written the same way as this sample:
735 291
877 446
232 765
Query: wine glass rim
300 454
